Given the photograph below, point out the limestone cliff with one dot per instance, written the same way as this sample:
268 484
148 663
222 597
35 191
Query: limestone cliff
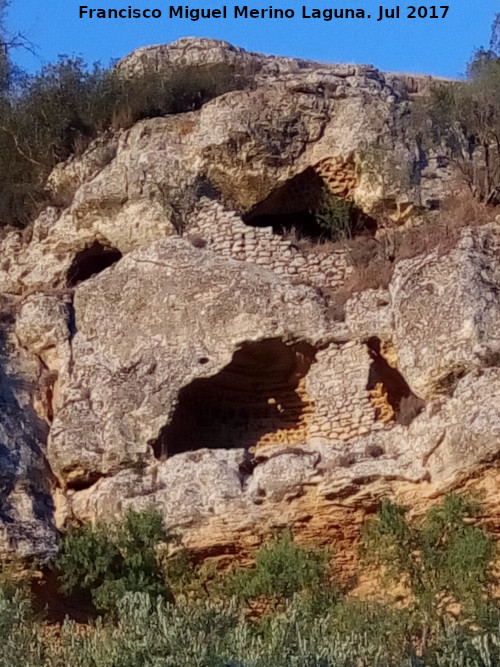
164 341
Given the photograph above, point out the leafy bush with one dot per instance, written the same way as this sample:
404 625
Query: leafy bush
208 634
282 568
443 558
21 641
338 218
113 559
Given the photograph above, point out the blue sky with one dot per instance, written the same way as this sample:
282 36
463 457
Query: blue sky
434 46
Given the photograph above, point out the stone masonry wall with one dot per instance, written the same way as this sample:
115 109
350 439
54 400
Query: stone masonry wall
226 234
337 386
337 403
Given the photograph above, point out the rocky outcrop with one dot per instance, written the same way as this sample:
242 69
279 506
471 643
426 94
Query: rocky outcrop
306 485
26 507
178 317
446 315
200 384
267 150
169 339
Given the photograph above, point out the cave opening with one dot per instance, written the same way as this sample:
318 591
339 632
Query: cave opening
305 207
90 261
393 399
258 399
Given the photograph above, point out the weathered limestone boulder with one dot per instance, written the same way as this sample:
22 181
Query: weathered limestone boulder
370 313
186 489
220 502
161 318
188 52
268 148
471 428
446 312
43 326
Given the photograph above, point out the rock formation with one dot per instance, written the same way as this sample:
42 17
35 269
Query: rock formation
163 341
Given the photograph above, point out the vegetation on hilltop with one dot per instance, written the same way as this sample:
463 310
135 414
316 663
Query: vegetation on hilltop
46 117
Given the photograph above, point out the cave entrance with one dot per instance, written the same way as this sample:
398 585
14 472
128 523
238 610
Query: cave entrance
257 399
91 261
390 394
306 207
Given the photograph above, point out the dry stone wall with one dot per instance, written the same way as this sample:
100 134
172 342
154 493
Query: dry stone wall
227 235
335 399
337 384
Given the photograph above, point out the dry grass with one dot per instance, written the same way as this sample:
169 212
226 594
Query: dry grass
373 259
376 274
443 234
122 118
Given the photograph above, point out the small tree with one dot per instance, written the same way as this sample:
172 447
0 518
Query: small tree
4 59
444 558
113 559
464 118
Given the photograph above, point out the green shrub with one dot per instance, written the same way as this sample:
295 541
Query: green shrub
113 559
282 568
150 632
13 582
21 642
187 577
443 558
338 218
208 634
50 115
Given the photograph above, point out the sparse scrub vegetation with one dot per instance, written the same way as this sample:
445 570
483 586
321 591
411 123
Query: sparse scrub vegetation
442 558
282 569
338 218
49 116
110 560
445 561
464 117
373 259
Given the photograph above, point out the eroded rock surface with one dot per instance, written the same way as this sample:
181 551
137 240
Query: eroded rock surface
26 507
168 338
162 318
446 312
